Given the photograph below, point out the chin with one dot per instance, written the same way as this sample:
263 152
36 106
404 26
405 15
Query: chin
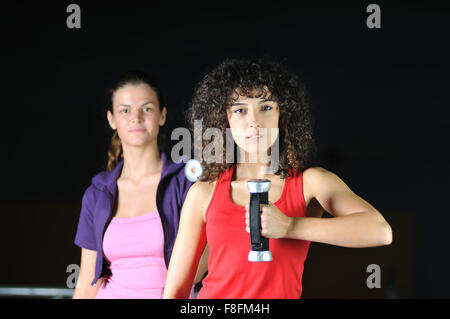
253 151
138 143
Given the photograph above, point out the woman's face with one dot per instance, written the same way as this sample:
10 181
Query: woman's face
254 123
136 114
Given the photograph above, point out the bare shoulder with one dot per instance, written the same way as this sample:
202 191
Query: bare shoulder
199 196
318 181
310 181
200 189
333 194
319 177
311 177
315 171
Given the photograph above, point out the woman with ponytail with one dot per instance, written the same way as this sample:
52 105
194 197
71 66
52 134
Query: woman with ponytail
130 213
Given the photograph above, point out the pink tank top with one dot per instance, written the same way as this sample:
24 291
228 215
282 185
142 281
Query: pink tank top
135 249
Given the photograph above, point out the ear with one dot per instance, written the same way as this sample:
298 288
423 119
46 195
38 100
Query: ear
111 120
162 118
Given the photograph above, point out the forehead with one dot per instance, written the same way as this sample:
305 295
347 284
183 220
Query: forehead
243 100
135 93
258 93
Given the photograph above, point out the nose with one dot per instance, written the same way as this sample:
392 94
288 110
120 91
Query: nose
136 115
255 124
253 120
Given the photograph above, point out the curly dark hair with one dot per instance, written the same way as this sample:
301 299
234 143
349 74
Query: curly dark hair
254 79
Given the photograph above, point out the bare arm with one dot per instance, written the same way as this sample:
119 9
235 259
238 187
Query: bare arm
356 223
202 265
189 244
83 289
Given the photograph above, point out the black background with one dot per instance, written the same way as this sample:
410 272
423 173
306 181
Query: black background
379 96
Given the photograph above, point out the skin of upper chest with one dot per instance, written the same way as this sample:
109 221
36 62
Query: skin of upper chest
239 192
136 198
239 195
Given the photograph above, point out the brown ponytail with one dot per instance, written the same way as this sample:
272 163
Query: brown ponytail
115 153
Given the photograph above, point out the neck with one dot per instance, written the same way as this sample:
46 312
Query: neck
141 161
253 166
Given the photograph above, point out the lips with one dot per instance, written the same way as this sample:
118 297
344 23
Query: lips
254 138
254 134
137 130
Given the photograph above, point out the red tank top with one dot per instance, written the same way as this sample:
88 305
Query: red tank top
230 274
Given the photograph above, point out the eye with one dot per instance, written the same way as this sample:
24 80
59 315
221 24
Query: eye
147 109
267 107
239 111
123 111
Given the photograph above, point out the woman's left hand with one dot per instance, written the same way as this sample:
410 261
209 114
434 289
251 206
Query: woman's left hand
274 224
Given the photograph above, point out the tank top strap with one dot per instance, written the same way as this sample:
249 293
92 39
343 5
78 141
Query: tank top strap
228 174
224 179
222 186
294 193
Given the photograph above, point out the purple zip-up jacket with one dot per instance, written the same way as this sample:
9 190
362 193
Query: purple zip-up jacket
99 199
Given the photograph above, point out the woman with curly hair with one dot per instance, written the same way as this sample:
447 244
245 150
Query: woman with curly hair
260 101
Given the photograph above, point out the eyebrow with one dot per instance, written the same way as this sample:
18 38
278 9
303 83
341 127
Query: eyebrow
262 101
126 105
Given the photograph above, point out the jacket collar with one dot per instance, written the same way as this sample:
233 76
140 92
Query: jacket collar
108 179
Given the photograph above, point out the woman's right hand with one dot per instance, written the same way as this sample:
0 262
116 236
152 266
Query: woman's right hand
83 289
